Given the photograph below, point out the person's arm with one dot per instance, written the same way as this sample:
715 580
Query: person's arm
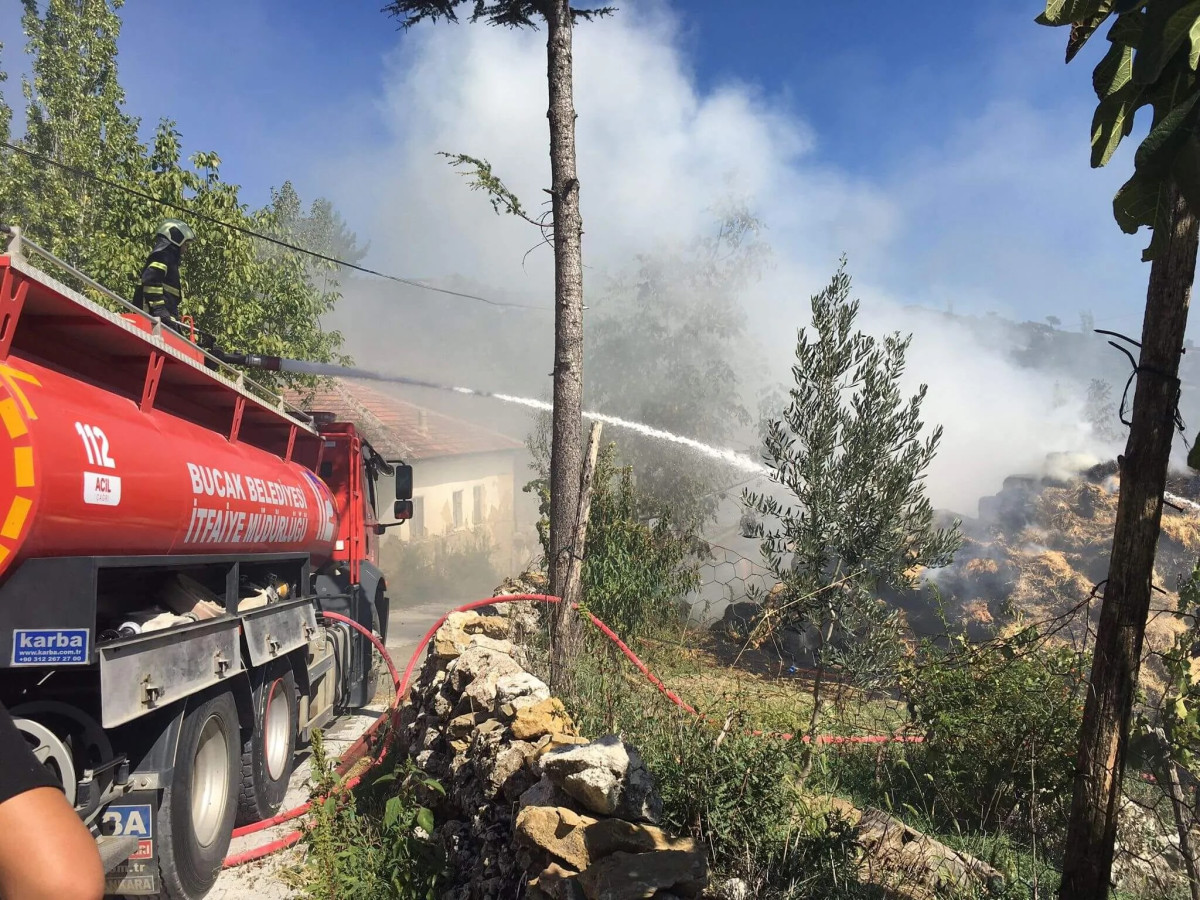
46 852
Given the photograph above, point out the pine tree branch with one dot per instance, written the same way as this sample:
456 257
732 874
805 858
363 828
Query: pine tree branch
480 177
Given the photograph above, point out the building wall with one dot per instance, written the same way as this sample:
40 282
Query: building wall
459 494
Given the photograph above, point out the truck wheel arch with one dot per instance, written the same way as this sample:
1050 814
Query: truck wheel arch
374 584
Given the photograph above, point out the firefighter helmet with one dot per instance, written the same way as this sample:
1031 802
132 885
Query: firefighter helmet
175 231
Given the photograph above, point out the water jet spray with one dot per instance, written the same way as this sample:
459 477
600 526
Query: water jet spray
732 458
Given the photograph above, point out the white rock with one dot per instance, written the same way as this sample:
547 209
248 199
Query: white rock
490 643
521 686
607 776
476 661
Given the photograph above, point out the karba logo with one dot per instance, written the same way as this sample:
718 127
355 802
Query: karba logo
53 641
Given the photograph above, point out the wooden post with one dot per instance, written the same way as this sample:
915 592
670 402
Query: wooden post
574 582
575 572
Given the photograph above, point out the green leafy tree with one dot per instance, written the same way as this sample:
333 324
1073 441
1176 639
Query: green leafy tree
1152 63
320 229
5 110
250 294
847 512
566 464
74 115
667 348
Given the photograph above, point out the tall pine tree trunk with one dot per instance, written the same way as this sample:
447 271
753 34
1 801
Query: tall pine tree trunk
566 453
1087 863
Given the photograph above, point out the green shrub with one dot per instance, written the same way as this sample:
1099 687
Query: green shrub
636 569
367 846
635 572
1001 725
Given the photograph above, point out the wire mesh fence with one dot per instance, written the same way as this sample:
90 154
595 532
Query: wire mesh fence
727 577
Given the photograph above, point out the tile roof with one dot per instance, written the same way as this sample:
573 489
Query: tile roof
399 429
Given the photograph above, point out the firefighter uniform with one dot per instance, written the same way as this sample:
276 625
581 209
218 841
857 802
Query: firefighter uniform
159 291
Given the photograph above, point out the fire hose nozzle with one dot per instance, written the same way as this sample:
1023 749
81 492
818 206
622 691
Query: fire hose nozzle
251 360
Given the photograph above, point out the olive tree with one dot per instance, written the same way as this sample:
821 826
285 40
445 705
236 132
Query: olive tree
846 512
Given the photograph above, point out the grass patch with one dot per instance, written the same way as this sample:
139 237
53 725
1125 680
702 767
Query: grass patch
735 793
693 665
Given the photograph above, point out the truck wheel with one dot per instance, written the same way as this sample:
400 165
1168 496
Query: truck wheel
269 751
195 815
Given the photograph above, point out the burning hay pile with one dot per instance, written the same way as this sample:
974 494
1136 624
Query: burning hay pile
1036 553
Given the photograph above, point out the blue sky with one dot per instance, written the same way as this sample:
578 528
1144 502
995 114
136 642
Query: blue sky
882 94
247 76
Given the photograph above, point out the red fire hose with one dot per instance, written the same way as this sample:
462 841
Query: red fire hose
359 748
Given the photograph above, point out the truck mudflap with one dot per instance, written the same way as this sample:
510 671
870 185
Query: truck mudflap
133 817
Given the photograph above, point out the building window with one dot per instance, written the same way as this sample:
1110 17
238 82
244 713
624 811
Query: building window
416 525
458 510
477 513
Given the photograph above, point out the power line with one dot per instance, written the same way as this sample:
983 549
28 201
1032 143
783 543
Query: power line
92 176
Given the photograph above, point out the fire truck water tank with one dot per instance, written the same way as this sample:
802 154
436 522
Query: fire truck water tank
83 471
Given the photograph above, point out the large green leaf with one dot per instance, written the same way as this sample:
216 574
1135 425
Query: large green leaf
1194 39
1113 121
1136 203
1186 171
1065 12
1165 36
1114 71
1166 137
1128 29
425 820
1081 32
1160 230
1142 200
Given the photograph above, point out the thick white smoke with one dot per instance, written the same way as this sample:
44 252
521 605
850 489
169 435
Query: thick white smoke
978 221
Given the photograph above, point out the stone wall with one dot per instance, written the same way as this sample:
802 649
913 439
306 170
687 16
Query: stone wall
532 809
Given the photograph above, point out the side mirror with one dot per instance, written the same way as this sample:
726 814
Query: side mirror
404 483
403 510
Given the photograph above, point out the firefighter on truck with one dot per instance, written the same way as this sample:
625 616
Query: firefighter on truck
158 291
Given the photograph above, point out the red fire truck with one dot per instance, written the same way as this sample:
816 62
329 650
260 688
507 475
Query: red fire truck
170 533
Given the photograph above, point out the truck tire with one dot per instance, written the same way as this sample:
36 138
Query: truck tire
268 752
195 814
